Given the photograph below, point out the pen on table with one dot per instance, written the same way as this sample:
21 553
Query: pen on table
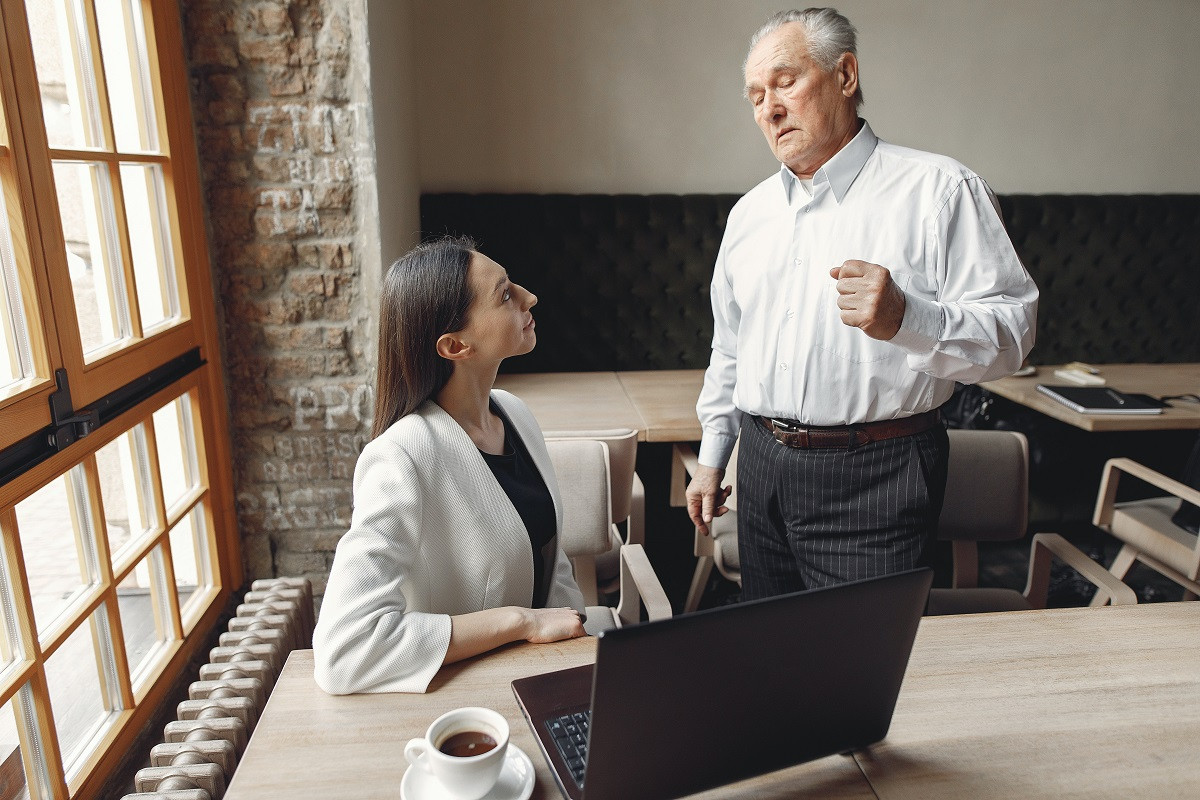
1120 400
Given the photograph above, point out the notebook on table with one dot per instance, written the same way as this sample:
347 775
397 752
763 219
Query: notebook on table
1101 400
701 700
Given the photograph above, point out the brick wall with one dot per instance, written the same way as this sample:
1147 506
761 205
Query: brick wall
281 104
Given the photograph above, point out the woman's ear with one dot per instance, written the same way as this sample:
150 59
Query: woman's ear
452 348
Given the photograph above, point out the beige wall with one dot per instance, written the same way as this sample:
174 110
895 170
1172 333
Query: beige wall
393 120
645 95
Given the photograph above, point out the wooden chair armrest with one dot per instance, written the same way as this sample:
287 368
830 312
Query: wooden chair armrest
684 462
637 512
640 584
1111 477
687 456
1047 545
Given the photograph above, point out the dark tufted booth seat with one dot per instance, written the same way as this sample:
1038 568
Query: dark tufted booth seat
623 279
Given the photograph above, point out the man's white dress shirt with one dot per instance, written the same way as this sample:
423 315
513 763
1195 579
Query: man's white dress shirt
780 348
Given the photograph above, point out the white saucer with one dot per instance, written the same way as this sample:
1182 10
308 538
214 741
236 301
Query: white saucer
515 783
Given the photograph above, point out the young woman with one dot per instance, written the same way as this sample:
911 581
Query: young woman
453 543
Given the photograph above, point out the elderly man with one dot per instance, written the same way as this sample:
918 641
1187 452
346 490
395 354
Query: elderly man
851 290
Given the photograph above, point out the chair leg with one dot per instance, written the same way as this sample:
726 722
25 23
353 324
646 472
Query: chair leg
1120 568
704 566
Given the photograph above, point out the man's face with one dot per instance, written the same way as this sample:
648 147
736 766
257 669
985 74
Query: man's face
806 114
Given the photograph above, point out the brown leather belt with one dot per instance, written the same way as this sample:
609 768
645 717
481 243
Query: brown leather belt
847 437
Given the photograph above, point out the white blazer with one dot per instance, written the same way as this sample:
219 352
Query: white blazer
432 535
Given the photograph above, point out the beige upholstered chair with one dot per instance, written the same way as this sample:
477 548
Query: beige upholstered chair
1145 529
720 547
987 499
628 504
581 467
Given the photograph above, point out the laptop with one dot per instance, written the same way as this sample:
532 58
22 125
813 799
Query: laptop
802 676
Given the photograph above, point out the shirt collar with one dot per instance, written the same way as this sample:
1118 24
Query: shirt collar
840 171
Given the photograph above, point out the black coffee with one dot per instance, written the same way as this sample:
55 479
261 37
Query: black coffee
467 743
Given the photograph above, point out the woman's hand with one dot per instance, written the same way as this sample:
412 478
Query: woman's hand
479 631
544 625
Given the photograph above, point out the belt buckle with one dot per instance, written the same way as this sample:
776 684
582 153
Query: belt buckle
789 435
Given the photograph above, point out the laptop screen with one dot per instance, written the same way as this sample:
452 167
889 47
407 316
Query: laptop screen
705 699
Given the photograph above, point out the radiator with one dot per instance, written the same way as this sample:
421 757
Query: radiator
200 748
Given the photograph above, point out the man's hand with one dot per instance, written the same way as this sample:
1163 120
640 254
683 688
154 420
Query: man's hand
705 496
869 299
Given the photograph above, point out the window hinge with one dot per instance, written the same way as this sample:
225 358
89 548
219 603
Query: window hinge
68 425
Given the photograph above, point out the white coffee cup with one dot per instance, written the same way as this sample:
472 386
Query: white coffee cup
467 776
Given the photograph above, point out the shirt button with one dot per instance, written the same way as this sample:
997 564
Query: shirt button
783 367
796 261
790 313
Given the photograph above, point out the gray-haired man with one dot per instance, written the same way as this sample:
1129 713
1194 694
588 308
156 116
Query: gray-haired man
851 290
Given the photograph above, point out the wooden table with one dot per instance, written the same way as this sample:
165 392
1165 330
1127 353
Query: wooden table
659 404
575 401
666 402
311 745
1058 704
1153 379
1095 703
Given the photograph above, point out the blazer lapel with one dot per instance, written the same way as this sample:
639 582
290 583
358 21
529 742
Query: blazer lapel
482 498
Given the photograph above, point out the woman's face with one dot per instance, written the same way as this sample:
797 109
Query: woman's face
499 323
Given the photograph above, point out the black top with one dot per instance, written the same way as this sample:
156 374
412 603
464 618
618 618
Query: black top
518 476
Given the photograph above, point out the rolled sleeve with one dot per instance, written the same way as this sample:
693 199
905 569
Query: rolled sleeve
982 323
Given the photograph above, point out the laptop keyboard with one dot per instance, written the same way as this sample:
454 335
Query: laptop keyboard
570 734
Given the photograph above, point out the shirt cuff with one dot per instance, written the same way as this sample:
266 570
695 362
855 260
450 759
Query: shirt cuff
715 449
921 327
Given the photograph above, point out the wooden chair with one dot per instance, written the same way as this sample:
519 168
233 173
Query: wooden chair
628 505
720 548
1145 529
987 499
581 467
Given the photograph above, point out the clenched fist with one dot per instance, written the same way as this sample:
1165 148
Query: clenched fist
869 299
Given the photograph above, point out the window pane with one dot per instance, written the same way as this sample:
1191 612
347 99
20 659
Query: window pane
12 770
65 74
16 358
143 616
127 73
55 566
89 228
176 449
124 470
150 240
189 547
79 696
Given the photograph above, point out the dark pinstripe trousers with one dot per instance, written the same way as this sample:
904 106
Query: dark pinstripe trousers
810 518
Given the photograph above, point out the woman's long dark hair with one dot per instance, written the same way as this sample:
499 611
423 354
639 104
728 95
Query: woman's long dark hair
425 294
